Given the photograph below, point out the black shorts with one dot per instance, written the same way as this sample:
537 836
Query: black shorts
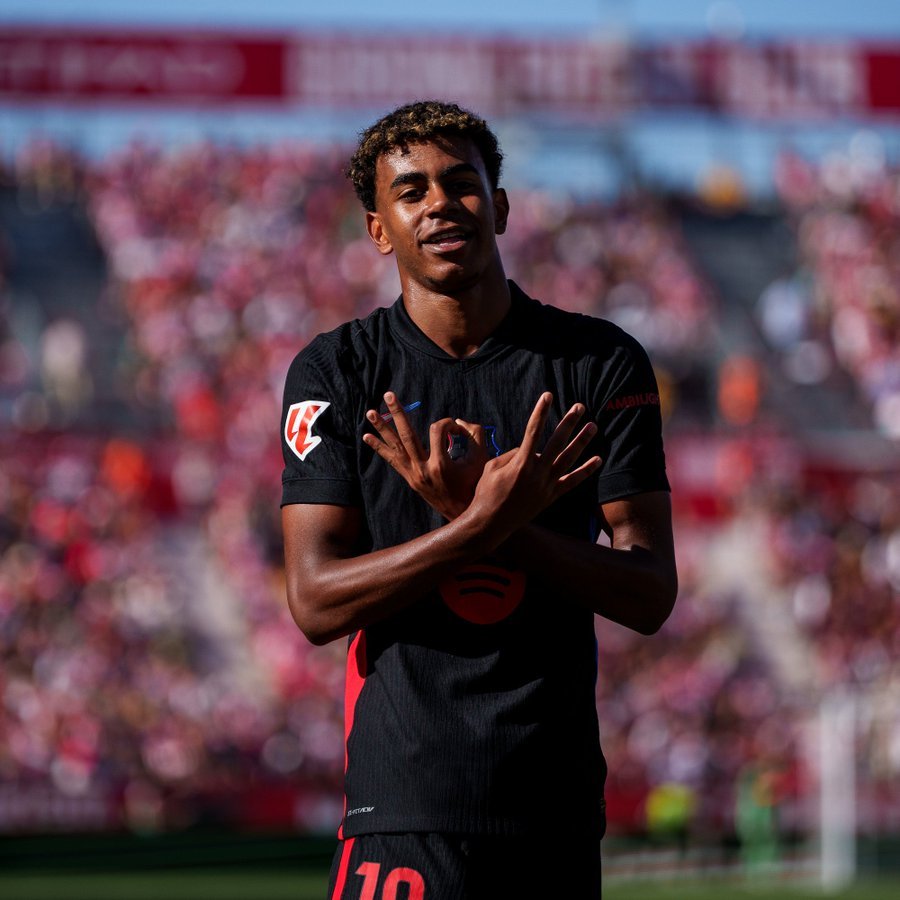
430 866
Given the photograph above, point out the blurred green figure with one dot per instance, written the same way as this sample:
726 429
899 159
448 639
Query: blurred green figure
756 816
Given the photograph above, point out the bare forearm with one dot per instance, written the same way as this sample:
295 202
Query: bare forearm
633 587
341 595
333 590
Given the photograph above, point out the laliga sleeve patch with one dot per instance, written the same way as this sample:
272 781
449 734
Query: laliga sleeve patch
298 426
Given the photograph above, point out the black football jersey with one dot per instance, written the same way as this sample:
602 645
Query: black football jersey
473 710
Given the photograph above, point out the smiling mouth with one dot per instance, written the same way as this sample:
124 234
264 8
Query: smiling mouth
448 241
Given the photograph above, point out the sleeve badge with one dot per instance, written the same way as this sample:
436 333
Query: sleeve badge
298 426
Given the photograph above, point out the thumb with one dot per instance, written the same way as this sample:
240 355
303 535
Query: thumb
474 431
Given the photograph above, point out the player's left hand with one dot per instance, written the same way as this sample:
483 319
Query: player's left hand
520 484
445 480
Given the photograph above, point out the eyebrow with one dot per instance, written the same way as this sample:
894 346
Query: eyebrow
449 172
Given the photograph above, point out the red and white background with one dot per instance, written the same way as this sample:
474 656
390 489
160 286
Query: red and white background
594 77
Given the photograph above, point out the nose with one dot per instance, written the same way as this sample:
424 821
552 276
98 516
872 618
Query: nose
439 199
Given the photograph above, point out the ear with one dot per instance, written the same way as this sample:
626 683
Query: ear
376 231
501 211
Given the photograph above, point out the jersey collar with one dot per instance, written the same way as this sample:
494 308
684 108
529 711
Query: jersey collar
501 339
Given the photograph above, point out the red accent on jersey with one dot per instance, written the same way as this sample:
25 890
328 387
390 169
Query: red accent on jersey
649 398
344 865
482 593
298 426
356 678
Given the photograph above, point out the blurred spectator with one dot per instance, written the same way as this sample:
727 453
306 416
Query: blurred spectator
739 390
846 210
145 643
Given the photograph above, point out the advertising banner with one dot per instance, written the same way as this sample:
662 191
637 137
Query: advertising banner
585 77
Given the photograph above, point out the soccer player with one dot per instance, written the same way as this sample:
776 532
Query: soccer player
449 463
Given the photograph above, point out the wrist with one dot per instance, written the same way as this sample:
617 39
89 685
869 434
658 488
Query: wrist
482 526
519 547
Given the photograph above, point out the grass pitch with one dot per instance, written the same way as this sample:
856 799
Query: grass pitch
273 885
876 890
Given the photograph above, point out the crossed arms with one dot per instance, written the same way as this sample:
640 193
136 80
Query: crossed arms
334 589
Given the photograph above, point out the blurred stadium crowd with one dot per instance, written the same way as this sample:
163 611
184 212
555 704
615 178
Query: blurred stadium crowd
150 674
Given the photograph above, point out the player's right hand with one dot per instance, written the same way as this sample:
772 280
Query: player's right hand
446 484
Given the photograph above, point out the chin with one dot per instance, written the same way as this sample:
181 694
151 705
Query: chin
455 284
455 277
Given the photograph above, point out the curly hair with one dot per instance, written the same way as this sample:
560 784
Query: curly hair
414 123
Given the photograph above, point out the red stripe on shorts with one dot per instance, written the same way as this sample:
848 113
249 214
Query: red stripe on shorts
342 869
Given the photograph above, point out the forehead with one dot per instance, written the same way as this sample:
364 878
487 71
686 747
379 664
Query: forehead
429 158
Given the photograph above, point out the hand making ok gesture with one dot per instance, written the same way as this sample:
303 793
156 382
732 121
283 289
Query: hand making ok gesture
511 489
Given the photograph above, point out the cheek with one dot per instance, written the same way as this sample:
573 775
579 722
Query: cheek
400 229
404 240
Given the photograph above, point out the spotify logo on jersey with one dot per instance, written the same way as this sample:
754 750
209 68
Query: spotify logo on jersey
483 593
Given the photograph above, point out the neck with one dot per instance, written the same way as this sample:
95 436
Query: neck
459 322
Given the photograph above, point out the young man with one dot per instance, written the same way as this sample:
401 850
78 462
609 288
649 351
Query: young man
449 462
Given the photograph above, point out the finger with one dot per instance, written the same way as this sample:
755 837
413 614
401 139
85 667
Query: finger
437 437
573 450
562 434
386 452
576 476
385 431
407 436
536 422
477 435
504 459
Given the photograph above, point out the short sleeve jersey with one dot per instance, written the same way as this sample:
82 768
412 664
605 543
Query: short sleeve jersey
473 710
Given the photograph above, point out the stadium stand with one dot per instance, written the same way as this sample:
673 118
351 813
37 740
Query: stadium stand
151 676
